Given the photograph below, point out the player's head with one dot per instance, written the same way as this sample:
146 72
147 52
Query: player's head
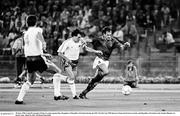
31 20
130 63
76 34
106 32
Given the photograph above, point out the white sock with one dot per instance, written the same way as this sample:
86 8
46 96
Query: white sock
57 84
72 87
25 87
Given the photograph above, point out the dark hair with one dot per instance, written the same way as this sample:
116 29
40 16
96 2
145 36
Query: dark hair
130 61
31 20
105 29
76 32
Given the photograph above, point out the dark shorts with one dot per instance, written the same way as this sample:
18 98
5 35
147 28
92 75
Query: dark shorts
65 64
132 84
35 63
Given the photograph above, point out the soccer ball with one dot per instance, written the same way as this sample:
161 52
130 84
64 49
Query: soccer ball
126 90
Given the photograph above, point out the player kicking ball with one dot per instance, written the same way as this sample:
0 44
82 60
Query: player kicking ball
69 52
106 43
33 50
131 75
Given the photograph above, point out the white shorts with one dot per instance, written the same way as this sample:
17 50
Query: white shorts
99 61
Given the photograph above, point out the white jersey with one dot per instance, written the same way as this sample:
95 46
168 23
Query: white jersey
70 49
33 46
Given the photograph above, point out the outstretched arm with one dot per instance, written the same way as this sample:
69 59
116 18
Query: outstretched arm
90 49
125 45
121 44
41 38
93 50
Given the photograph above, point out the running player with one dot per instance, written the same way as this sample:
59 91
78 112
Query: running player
69 51
131 75
106 43
34 42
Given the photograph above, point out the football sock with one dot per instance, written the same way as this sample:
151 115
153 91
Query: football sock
25 87
92 84
72 87
57 84
89 88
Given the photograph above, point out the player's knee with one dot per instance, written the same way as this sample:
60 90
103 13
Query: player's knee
106 72
58 71
103 73
92 81
70 81
134 85
28 83
125 83
31 81
56 76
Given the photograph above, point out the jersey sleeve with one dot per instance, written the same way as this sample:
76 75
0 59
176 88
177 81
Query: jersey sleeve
40 30
63 47
117 43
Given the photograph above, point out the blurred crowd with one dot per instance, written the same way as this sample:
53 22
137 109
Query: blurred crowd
59 17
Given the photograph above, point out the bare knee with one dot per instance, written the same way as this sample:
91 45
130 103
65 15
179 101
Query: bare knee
31 78
106 72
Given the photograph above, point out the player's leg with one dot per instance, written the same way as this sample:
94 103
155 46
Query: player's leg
23 73
19 69
71 80
42 79
34 63
20 79
125 83
57 77
100 73
134 84
25 87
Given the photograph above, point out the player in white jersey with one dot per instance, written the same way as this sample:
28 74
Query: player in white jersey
34 42
69 51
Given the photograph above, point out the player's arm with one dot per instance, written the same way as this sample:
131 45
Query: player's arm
121 44
14 48
89 49
126 74
41 38
92 50
136 73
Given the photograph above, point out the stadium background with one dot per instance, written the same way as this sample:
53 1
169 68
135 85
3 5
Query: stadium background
59 17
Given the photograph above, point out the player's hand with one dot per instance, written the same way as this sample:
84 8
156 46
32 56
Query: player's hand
70 62
44 46
127 44
48 56
99 52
